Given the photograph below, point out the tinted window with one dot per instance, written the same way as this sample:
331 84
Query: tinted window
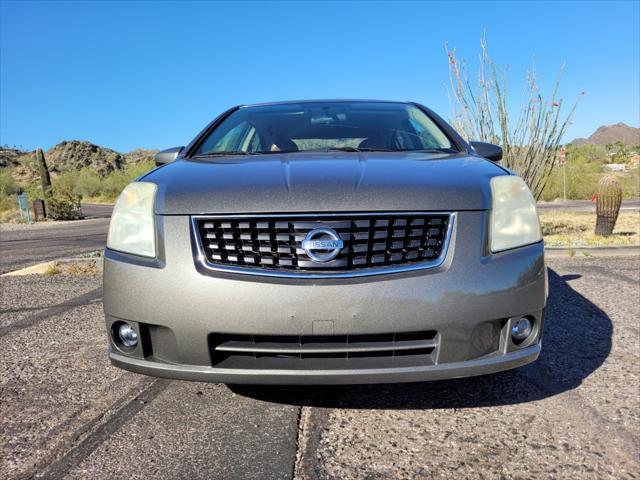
325 126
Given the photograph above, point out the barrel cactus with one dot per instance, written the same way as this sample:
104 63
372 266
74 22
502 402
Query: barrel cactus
608 204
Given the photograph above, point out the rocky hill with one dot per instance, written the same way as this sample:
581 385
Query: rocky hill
71 155
139 155
10 157
620 132
75 155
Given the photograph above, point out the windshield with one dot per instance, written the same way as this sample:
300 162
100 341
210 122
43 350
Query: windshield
325 126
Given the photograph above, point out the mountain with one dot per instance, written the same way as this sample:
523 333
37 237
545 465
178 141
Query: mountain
620 132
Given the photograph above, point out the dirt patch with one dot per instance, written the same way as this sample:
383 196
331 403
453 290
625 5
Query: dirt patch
80 267
576 229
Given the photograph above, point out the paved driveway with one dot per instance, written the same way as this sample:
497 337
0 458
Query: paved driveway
66 413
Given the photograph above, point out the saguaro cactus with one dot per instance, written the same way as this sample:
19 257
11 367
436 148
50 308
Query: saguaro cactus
608 204
45 178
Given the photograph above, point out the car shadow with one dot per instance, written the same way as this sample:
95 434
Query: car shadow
576 342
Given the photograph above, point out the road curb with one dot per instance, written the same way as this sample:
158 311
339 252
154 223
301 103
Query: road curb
38 269
592 251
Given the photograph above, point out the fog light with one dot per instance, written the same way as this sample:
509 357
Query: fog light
521 329
127 335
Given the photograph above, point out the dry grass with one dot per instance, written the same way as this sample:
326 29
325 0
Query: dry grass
10 216
86 267
575 229
53 269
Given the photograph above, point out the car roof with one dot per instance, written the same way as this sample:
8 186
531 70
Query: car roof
341 100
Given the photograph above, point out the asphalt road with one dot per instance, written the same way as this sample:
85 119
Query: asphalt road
584 205
65 412
25 245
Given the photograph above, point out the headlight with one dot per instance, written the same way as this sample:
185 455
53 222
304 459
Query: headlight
132 228
514 220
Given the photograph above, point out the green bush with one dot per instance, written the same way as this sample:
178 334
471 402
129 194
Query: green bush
8 202
8 185
114 183
88 183
63 204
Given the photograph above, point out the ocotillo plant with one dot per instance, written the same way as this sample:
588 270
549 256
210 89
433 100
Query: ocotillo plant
530 140
45 178
608 204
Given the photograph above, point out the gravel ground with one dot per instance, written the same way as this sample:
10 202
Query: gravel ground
65 412
572 414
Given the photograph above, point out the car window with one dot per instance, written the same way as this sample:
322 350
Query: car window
430 135
234 137
313 126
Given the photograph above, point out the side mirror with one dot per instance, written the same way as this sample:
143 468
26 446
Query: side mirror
168 155
487 150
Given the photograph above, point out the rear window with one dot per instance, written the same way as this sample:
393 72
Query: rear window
323 126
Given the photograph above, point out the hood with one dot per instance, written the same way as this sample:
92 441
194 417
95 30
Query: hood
324 182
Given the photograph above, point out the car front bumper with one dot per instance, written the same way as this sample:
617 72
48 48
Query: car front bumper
470 301
480 366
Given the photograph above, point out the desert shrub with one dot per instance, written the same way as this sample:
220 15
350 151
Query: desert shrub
115 182
530 140
8 185
8 202
88 183
63 204
66 181
9 188
134 171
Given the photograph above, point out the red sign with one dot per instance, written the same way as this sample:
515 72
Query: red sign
562 157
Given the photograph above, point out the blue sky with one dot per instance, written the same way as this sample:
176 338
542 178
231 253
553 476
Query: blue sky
152 74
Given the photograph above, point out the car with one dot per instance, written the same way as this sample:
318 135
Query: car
325 242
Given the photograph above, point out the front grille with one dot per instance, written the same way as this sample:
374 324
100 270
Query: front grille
275 242
332 352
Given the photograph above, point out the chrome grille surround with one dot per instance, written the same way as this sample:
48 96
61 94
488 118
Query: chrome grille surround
319 270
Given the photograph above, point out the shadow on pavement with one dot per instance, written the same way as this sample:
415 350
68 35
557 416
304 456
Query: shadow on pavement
576 341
